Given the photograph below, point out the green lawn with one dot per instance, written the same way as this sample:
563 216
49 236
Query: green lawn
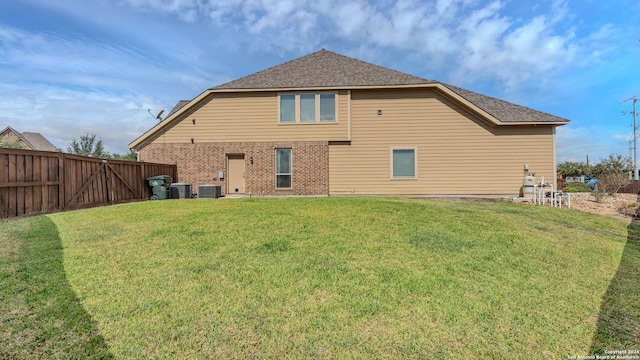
343 277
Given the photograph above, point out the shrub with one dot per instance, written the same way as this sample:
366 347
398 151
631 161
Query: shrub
576 187
611 183
12 144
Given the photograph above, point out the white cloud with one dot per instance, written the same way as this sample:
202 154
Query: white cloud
187 10
479 38
59 54
514 52
559 11
575 143
63 114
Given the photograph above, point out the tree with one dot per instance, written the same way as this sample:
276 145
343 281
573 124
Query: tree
132 156
573 169
612 183
12 144
615 164
88 147
612 174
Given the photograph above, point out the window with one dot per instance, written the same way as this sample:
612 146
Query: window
283 168
403 163
287 108
327 107
308 108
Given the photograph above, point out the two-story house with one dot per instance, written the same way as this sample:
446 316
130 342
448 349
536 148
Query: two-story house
327 124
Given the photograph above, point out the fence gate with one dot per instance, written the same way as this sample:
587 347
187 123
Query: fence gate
41 181
103 186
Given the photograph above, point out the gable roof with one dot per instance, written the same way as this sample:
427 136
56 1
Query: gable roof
9 130
38 141
178 106
503 110
323 69
34 141
326 69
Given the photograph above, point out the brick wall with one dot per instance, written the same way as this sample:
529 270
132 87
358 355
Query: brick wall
199 164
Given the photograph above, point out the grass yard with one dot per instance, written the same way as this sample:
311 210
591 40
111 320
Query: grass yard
343 277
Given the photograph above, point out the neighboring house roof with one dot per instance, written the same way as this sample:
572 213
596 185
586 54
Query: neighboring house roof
326 69
38 141
34 141
323 69
9 131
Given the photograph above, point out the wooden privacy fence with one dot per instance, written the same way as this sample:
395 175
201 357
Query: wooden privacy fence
41 181
633 187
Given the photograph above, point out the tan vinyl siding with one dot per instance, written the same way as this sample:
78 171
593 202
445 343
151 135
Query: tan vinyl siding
456 151
245 117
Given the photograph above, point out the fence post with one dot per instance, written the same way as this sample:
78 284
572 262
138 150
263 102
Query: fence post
61 182
107 180
143 172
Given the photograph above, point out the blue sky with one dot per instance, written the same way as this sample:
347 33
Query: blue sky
69 67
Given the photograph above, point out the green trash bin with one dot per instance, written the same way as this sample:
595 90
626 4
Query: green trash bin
160 187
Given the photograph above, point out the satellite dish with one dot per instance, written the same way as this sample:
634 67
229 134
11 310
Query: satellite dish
157 117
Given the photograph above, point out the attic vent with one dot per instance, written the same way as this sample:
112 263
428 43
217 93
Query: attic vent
209 191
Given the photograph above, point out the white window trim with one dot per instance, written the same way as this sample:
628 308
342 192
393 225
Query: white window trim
317 108
415 163
275 155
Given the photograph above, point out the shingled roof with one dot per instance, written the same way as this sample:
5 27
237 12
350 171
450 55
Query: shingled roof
33 141
323 69
504 110
38 141
177 107
330 70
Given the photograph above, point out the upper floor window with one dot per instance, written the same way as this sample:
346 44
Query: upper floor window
287 108
307 107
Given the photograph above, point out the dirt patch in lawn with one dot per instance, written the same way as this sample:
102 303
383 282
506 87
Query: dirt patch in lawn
621 206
